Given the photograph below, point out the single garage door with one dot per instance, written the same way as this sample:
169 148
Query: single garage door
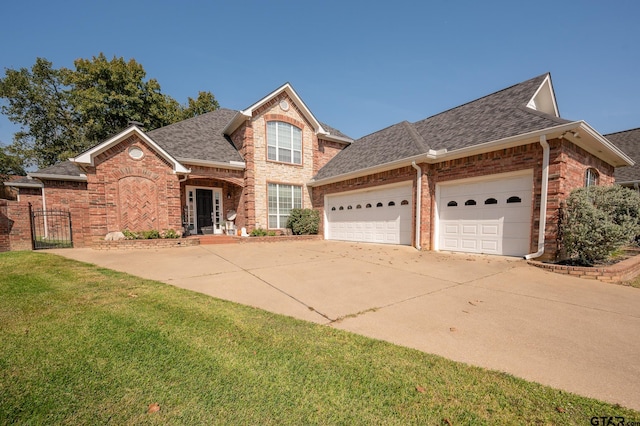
489 216
376 216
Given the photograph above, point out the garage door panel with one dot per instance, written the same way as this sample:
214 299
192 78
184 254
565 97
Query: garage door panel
386 220
497 227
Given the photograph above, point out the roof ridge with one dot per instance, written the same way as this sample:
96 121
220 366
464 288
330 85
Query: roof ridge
486 96
417 138
622 131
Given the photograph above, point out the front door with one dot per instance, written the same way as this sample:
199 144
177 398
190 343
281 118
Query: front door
204 210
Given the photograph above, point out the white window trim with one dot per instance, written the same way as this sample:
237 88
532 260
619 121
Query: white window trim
277 146
591 177
278 215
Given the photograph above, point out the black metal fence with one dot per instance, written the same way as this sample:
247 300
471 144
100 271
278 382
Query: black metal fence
51 229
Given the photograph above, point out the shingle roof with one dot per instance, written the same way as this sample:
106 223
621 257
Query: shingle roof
334 132
199 138
629 142
66 168
499 115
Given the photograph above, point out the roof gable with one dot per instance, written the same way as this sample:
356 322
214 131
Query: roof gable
544 100
88 157
318 127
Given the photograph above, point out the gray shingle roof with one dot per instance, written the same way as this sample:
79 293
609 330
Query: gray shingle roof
334 131
66 168
199 137
629 142
499 115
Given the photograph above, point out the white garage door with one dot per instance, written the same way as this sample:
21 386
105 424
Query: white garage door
374 216
491 216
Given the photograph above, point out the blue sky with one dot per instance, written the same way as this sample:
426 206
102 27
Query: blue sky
359 66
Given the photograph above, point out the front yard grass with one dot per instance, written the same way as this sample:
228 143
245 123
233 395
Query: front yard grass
85 345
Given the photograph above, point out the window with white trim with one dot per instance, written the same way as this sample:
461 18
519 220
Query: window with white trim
282 198
284 142
590 177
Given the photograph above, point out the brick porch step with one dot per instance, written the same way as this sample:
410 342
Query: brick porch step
216 239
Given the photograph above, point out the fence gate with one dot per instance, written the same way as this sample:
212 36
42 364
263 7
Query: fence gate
51 229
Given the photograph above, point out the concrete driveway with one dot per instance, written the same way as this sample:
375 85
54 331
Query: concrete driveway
494 312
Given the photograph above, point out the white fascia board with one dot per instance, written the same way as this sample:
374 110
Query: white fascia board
334 138
611 148
81 178
24 185
235 122
370 170
233 165
88 156
248 112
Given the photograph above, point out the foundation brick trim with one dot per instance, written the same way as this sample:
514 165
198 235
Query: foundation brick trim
625 270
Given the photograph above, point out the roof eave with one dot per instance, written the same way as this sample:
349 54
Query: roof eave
49 176
334 138
24 184
88 157
231 165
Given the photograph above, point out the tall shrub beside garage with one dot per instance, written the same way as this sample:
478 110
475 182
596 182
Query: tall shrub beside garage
304 221
599 220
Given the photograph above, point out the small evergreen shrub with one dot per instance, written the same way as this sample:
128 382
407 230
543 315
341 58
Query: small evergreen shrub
304 221
151 234
258 232
597 221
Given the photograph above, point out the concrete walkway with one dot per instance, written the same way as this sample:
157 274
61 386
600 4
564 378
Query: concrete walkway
573 334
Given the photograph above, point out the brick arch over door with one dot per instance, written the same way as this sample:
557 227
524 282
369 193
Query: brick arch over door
137 203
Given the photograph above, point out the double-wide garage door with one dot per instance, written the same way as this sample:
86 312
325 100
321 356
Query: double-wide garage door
490 216
376 216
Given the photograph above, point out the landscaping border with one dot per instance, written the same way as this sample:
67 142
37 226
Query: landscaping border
145 244
625 270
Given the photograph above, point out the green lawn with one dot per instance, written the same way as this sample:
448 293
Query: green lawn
85 345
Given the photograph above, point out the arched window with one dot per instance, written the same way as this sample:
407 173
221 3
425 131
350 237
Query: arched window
358 206
341 208
491 201
368 206
591 177
391 204
404 203
333 209
284 142
514 199
452 204
470 203
379 205
349 208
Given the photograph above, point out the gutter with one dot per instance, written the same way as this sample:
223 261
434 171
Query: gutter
418 202
543 198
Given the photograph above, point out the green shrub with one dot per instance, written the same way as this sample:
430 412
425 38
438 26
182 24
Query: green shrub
258 232
597 221
304 221
150 234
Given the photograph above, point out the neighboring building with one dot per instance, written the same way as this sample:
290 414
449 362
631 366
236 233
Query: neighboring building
629 142
472 179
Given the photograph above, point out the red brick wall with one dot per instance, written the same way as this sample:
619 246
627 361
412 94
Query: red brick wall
15 226
115 201
243 141
324 152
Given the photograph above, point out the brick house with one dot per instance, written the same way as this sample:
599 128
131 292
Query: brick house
488 176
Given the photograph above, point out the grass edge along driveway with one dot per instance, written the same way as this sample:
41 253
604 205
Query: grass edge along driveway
85 345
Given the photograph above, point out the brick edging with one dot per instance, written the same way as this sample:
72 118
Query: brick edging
625 270
145 244
278 238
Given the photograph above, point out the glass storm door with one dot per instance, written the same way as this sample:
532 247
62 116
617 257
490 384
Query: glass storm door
204 210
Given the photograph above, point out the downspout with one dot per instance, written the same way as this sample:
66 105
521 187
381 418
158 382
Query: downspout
543 198
418 201
44 211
